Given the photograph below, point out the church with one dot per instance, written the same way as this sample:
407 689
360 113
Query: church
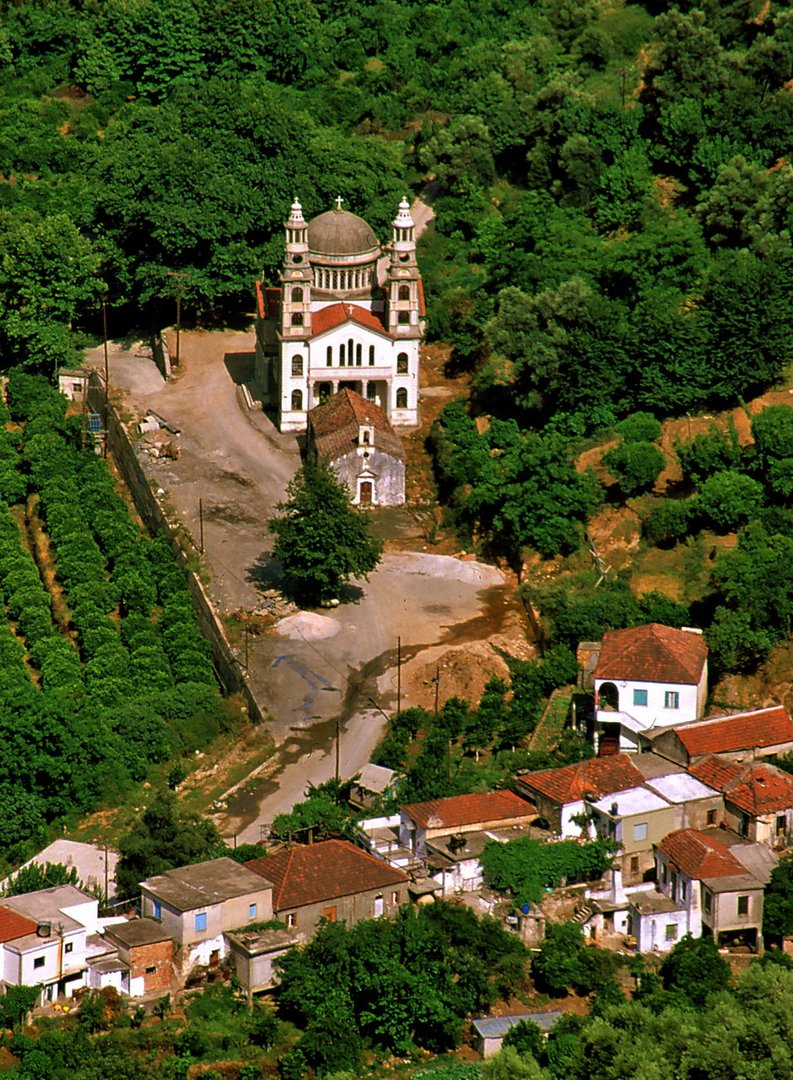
347 316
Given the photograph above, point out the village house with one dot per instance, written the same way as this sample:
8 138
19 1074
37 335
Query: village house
461 814
647 677
758 798
199 903
740 737
331 880
355 437
147 950
560 794
48 938
707 883
253 955
372 784
489 1031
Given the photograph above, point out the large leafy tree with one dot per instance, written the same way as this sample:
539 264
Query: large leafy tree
321 538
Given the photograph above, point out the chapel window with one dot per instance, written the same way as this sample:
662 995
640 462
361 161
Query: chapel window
297 365
402 364
404 292
297 400
401 398
297 318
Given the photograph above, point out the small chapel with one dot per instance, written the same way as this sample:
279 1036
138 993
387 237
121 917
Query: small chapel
347 316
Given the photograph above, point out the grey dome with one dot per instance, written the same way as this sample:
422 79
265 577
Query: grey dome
338 232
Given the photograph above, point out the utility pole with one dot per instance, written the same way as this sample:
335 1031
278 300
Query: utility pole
247 635
437 681
338 747
399 675
180 277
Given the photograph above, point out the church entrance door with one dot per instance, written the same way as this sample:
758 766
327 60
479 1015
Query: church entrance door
367 493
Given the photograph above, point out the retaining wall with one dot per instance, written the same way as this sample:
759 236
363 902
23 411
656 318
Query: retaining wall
227 667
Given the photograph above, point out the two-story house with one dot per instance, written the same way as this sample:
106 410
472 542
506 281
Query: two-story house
638 819
741 737
331 880
50 945
460 814
758 798
560 795
199 903
704 886
647 677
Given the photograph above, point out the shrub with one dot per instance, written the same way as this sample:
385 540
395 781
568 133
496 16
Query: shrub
637 465
730 499
639 427
670 522
709 453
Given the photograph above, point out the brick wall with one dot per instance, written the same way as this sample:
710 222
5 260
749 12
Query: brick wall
158 956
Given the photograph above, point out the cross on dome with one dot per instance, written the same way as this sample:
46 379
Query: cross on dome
339 201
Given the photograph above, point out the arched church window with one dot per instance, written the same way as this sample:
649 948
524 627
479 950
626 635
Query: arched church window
297 296
297 318
297 400
404 292
297 365
329 356
371 356
358 355
401 398
402 364
403 318
341 355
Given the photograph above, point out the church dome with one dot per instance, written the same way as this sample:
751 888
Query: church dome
338 232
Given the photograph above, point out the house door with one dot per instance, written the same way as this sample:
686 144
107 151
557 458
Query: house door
609 740
366 493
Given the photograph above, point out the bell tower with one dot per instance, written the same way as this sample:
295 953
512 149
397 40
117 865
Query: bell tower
296 277
402 280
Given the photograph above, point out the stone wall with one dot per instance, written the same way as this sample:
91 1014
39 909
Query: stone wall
227 667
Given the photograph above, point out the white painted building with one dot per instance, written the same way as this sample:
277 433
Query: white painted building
647 677
332 325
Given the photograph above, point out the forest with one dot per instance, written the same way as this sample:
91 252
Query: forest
612 243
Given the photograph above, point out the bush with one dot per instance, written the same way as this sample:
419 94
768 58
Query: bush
729 500
637 465
712 452
670 522
639 427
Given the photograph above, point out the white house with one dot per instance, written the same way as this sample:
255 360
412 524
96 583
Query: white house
332 325
560 794
647 677
704 886
45 939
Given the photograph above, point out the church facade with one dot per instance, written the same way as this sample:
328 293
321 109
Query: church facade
345 317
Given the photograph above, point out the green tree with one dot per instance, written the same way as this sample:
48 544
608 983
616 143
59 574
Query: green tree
778 903
40 876
636 464
729 499
321 538
695 969
164 837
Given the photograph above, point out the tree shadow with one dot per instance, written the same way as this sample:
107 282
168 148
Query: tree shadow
266 573
240 366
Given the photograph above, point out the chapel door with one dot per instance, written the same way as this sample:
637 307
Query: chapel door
367 493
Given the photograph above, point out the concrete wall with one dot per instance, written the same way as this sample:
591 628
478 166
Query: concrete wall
724 914
228 669
655 713
350 909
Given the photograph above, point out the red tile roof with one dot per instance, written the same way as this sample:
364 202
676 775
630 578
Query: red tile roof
334 426
757 788
476 809
328 318
652 653
267 301
594 778
700 855
313 873
13 925
741 731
